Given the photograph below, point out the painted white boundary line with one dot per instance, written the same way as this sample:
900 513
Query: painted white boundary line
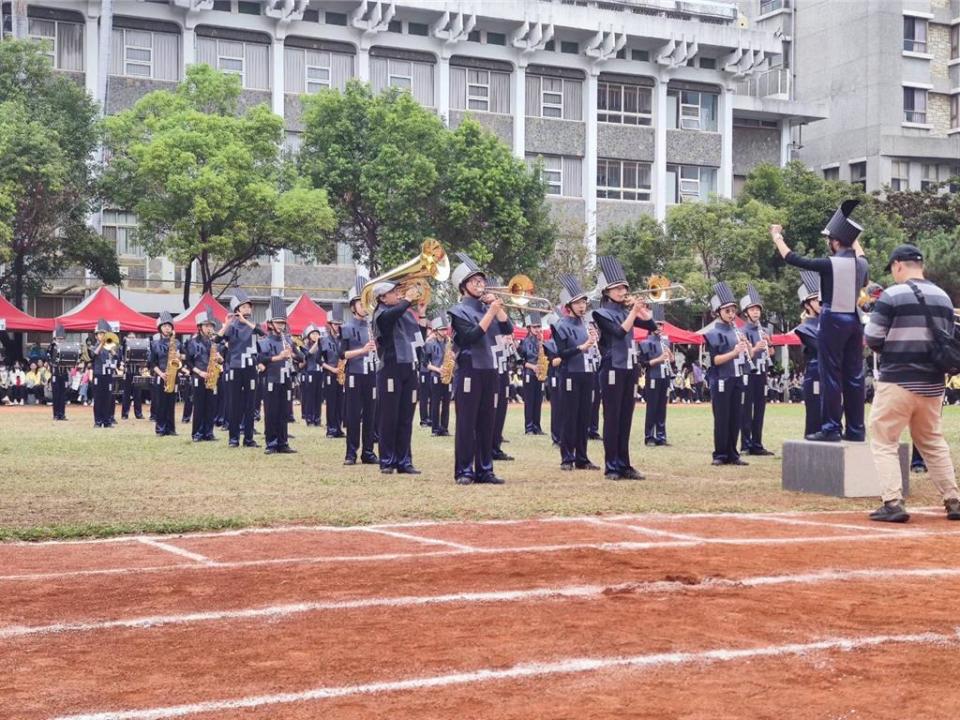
418 538
567 666
645 530
878 527
425 523
176 551
478 551
581 592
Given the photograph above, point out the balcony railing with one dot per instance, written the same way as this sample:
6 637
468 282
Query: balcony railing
707 10
768 6
772 83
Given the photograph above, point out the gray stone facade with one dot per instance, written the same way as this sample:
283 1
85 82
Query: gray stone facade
252 98
569 213
686 147
555 137
754 146
315 280
626 142
123 92
499 125
618 212
293 113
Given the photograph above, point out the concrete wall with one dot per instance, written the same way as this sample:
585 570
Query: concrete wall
754 146
499 125
693 148
569 213
252 98
618 212
626 142
123 92
555 137
293 112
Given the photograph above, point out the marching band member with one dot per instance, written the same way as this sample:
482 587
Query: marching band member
477 320
198 364
841 347
505 358
554 370
104 375
330 352
276 357
240 363
435 351
616 319
729 357
530 349
360 385
809 331
311 386
58 382
160 351
657 354
574 340
423 379
593 431
397 331
755 392
131 391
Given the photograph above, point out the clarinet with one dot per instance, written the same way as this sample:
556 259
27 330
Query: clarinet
745 356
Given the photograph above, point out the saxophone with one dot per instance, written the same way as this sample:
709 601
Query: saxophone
173 365
342 371
543 366
448 364
213 367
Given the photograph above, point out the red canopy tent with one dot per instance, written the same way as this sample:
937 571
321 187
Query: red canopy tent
186 322
677 335
17 320
302 312
776 339
104 304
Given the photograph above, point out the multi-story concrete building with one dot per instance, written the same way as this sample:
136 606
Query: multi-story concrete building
890 71
633 105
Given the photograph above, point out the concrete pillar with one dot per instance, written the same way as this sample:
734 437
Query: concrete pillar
189 49
590 158
105 42
363 63
660 149
91 53
276 80
277 272
519 109
725 181
443 88
786 142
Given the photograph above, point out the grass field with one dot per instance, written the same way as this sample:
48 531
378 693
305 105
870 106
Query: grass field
68 479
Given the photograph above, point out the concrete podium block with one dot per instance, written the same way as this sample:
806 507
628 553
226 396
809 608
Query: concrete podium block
843 469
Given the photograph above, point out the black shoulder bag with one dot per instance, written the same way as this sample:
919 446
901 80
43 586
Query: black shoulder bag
945 352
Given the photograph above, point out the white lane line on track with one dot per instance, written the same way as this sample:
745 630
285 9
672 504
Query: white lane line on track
583 592
478 551
568 666
878 527
417 538
644 530
173 549
416 524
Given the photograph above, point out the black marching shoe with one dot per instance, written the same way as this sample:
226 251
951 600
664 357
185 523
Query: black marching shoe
370 460
590 436
717 461
286 450
489 479
408 470
738 461
587 466
270 451
233 443
918 468
821 436
650 443
464 480
251 443
350 461
501 455
891 511
631 474
613 476
953 509
566 466
763 452
387 471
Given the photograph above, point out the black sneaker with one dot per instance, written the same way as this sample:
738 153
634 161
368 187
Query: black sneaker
717 461
821 436
738 461
500 455
613 476
953 509
251 443
566 466
631 474
287 450
350 461
489 479
464 480
408 470
891 511
918 468
588 466
762 452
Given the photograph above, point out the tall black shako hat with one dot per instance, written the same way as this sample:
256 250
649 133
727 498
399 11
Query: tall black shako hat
464 271
336 314
104 326
205 316
357 289
659 312
533 319
164 318
239 298
277 310
751 299
809 286
610 273
59 332
840 227
722 297
570 290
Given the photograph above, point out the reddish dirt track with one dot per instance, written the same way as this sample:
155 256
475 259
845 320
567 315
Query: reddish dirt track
98 669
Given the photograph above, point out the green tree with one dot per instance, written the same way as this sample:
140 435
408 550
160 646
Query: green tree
209 185
48 133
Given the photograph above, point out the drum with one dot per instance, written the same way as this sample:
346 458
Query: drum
65 354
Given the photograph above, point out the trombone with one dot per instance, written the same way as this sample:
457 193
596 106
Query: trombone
660 290
518 294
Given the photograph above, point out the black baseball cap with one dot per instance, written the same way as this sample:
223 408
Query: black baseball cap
904 252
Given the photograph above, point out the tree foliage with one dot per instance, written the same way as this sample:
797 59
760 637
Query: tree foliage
48 133
396 176
210 185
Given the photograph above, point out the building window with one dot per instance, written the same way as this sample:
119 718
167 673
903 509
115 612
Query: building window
708 63
641 55
478 90
914 105
929 176
623 180
139 53
832 174
624 104
473 36
248 8
571 48
222 5
418 29
767 6
311 16
495 38
858 174
955 42
318 78
309 71
690 183
553 97
481 90
62 42
692 110
335 18
914 34
955 112
400 74
417 77
899 175
954 179
120 228
251 61
552 172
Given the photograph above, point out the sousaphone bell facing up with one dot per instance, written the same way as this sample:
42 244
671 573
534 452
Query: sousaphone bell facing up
431 264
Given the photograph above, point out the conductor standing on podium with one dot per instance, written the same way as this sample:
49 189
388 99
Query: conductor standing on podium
841 332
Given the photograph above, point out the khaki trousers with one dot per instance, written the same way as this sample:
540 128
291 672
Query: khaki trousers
895 409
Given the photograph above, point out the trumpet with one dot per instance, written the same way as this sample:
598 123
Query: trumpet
518 294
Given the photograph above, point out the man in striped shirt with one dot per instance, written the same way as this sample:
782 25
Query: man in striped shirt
909 391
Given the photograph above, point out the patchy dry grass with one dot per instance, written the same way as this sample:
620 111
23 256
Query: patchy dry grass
68 479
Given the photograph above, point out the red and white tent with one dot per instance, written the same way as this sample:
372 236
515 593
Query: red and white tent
17 320
303 311
105 305
186 322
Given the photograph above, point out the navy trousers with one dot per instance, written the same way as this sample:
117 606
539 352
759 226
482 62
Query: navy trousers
243 399
58 384
726 397
577 398
276 397
360 398
752 412
655 420
618 404
311 396
397 398
503 399
164 414
811 399
103 400
594 428
555 379
331 395
475 393
204 408
842 389
439 404
131 393
532 401
423 378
